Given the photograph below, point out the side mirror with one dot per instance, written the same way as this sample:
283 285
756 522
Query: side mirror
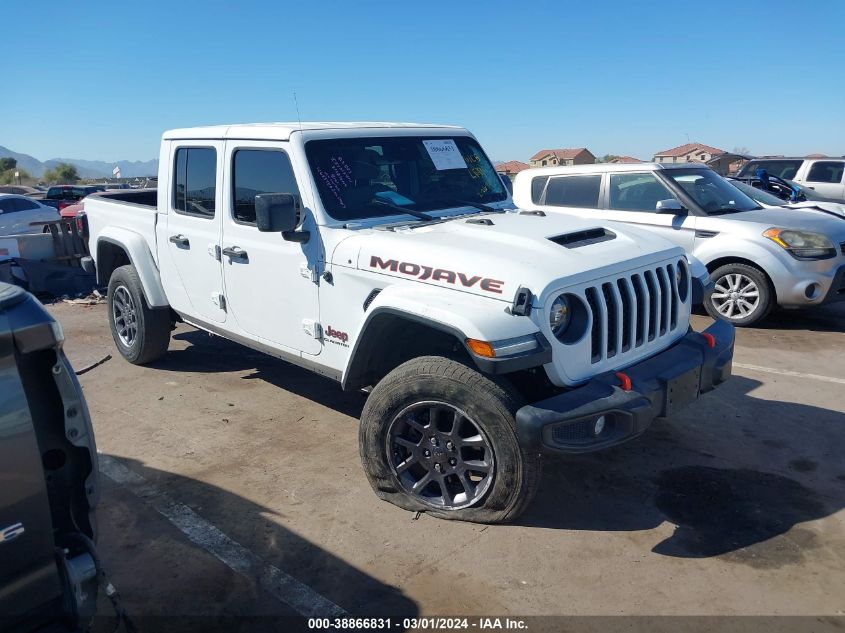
670 206
279 213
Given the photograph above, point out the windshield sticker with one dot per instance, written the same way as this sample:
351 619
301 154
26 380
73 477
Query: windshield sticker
393 198
338 178
445 154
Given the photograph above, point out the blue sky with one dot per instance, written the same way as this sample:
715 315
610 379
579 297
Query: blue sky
102 80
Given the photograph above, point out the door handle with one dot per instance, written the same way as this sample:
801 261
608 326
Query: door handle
180 240
234 252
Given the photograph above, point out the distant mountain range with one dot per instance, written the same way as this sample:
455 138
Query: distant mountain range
87 168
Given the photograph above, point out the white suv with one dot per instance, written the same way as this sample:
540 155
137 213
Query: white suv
826 176
757 257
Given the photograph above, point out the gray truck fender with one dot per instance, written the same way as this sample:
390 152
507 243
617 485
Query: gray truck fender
136 248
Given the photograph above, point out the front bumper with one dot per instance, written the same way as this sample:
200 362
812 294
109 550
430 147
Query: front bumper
660 386
809 283
836 292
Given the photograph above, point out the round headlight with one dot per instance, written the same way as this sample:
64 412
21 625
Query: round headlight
560 316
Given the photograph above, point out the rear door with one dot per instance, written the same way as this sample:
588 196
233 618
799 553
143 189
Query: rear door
32 213
577 194
20 215
827 178
9 217
192 236
269 281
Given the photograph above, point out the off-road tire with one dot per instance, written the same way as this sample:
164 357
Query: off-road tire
492 406
764 287
153 324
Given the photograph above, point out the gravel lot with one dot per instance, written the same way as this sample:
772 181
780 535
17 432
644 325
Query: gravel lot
735 507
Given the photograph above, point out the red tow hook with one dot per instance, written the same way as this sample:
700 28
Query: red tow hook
711 340
625 380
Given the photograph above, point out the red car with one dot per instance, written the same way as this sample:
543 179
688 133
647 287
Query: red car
61 196
71 210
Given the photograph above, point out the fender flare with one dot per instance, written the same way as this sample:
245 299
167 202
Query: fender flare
440 311
138 251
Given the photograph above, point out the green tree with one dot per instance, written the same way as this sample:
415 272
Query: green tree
8 163
8 177
606 158
63 173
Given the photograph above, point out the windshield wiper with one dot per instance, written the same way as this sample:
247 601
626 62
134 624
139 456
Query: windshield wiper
727 209
467 203
396 207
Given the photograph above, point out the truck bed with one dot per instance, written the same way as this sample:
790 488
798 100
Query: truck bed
133 210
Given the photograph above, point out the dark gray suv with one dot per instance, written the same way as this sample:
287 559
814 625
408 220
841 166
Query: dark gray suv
48 469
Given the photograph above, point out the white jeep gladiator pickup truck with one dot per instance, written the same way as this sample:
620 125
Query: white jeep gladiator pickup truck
390 256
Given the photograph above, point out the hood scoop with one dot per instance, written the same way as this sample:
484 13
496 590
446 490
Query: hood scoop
584 238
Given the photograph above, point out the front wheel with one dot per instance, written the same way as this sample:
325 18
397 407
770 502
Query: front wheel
141 333
437 436
742 294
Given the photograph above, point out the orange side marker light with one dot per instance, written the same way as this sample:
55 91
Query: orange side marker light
482 348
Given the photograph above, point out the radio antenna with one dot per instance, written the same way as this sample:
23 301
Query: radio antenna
299 120
298 117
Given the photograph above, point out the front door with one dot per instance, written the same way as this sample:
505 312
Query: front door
192 233
633 198
271 285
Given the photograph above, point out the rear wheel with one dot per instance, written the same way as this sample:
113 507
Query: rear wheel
141 333
742 294
439 437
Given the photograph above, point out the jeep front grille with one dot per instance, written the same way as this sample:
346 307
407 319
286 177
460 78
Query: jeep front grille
634 310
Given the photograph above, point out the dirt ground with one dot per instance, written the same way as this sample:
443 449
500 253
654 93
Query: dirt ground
734 507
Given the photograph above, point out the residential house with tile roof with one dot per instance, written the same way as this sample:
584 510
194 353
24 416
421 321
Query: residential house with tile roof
688 153
511 168
626 159
566 156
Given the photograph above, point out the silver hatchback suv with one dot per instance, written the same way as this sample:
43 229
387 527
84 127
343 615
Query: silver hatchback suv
758 258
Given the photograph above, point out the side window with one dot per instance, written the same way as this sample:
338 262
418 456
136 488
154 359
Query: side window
7 205
258 171
22 204
826 171
195 180
636 192
574 191
537 186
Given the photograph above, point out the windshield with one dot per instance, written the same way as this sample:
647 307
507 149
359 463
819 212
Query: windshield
786 168
710 191
370 177
763 197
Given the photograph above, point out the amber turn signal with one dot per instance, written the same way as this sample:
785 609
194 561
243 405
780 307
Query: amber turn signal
481 348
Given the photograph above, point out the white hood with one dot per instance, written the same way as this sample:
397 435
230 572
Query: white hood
494 260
